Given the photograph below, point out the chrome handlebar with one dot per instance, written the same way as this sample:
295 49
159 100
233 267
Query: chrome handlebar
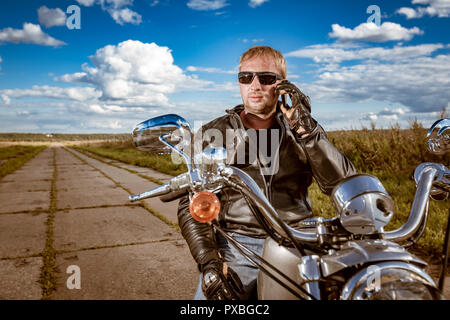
179 183
427 175
419 207
156 192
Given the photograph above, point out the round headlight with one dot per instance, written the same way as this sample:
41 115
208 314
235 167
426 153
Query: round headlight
364 206
391 281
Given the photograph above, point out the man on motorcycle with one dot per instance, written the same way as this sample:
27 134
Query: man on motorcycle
301 151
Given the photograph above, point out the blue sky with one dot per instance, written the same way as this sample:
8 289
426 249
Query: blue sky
135 59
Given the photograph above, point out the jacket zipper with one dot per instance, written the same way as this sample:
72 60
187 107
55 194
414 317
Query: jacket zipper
276 156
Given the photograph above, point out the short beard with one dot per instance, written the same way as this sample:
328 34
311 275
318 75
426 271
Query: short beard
267 111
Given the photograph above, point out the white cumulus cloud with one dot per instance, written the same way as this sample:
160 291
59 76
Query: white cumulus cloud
439 8
126 15
133 73
118 9
51 17
410 13
369 31
30 33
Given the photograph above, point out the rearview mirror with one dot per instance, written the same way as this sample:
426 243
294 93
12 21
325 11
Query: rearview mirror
148 140
160 134
439 137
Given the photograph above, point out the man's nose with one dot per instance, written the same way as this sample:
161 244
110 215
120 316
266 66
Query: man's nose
255 85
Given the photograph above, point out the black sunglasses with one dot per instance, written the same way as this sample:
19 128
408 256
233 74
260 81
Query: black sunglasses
265 78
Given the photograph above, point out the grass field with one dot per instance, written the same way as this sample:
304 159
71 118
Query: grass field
126 152
13 157
391 155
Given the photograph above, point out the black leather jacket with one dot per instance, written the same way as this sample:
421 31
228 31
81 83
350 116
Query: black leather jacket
287 190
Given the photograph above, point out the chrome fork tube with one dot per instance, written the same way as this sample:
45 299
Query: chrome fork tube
309 270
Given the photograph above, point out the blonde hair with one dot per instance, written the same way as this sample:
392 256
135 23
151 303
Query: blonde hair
265 51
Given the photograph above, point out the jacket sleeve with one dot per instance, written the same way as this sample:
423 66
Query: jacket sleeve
328 165
199 236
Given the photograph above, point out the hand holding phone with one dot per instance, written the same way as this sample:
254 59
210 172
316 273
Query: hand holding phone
299 114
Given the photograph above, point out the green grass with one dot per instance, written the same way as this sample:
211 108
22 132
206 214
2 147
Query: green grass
48 279
125 151
14 157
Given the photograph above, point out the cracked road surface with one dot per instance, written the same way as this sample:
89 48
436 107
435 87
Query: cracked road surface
123 251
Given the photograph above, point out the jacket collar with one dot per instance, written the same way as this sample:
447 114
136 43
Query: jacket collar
236 111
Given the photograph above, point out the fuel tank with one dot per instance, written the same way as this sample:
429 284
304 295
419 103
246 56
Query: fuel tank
287 261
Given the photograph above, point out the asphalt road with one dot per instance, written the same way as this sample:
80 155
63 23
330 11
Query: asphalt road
118 250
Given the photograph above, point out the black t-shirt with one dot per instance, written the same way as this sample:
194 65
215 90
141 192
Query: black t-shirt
262 143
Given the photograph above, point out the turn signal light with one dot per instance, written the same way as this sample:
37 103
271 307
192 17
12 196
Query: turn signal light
204 206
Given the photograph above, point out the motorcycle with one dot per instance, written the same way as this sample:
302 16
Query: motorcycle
348 257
